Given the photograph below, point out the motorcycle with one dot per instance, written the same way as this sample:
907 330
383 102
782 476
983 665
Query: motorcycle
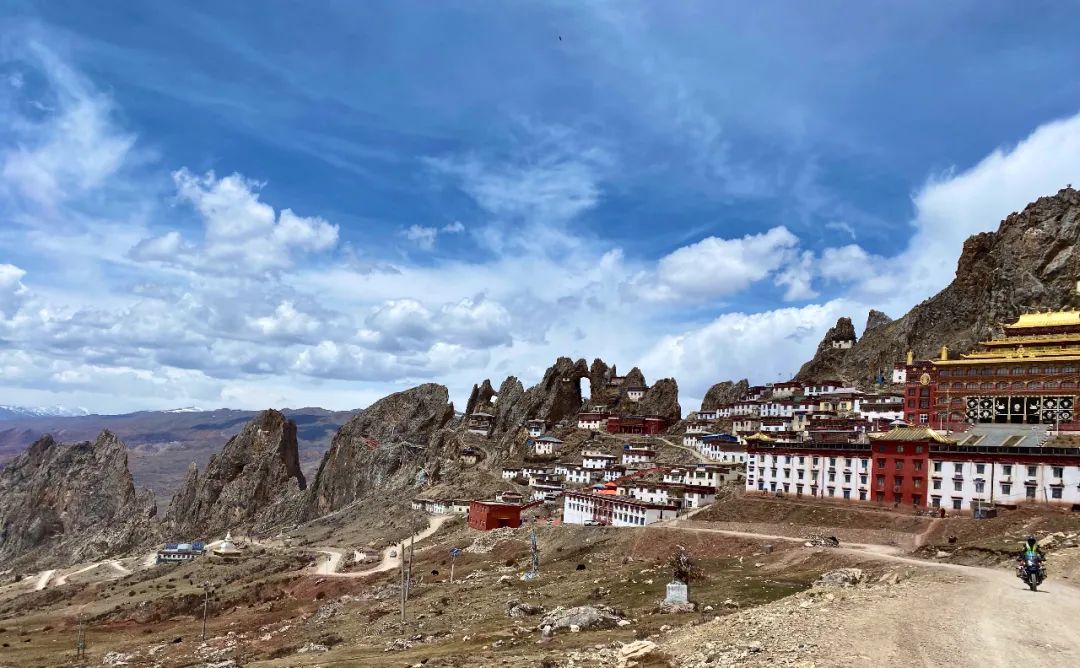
1032 572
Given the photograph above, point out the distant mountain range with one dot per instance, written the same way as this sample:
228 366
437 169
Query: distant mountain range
163 444
18 412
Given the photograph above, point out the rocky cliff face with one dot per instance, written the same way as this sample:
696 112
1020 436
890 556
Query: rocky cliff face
245 486
662 399
724 392
383 448
480 399
876 319
65 503
1030 262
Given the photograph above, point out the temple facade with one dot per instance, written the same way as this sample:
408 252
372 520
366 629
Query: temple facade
1027 376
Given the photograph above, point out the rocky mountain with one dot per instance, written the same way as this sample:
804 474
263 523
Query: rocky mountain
724 392
162 444
65 503
383 448
245 486
1030 262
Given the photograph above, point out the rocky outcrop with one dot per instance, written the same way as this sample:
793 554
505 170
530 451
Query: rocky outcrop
384 448
724 392
875 319
1031 262
65 503
480 397
245 486
662 399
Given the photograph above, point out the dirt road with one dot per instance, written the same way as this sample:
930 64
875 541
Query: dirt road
987 618
700 457
329 566
43 579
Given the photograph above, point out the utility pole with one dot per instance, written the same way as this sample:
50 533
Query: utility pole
401 564
80 639
408 579
205 606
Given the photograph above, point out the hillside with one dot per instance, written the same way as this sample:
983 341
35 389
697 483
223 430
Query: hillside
1030 262
163 444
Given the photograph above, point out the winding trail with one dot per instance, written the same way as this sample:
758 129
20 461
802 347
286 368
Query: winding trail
43 579
700 457
987 618
329 566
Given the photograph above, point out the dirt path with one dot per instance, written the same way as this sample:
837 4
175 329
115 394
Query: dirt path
988 618
700 457
63 578
43 580
330 566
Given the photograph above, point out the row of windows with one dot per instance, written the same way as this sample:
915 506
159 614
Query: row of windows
801 475
816 460
1016 385
813 491
1029 493
1006 371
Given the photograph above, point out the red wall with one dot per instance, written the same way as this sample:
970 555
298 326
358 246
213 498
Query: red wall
904 465
487 516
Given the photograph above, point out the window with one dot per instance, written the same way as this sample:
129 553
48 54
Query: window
918 449
847 493
1006 488
916 499
832 461
847 477
957 486
815 460
847 462
917 464
980 486
980 468
899 464
802 460
1031 471
936 502
899 448
879 497
1058 471
865 463
937 467
880 481
832 477
862 495
1055 492
956 504
1006 469
881 463
937 484
923 418
1030 492
918 483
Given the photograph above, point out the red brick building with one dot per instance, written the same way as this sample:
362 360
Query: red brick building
901 463
636 425
488 515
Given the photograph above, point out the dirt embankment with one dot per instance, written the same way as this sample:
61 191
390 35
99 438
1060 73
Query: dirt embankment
789 517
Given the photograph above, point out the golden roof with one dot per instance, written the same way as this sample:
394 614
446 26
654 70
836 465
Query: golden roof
912 434
760 437
1048 319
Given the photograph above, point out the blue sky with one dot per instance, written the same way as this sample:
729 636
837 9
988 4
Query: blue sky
287 203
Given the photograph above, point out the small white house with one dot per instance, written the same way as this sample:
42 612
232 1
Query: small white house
635 393
536 427
597 460
592 421
546 445
511 473
638 456
899 373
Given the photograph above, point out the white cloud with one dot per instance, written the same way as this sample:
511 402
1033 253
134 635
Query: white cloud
423 237
841 226
241 233
764 346
12 292
455 227
66 153
797 277
715 267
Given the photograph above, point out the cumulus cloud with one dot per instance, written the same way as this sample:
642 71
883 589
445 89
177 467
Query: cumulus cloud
715 267
241 233
424 237
408 324
765 346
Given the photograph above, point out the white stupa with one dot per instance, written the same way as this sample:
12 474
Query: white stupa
227 549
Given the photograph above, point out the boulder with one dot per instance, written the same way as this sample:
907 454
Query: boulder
632 653
583 617
841 577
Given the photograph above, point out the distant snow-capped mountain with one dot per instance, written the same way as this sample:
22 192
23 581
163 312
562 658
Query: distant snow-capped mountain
16 412
186 409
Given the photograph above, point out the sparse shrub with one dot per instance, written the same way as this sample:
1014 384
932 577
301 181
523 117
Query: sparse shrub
320 595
